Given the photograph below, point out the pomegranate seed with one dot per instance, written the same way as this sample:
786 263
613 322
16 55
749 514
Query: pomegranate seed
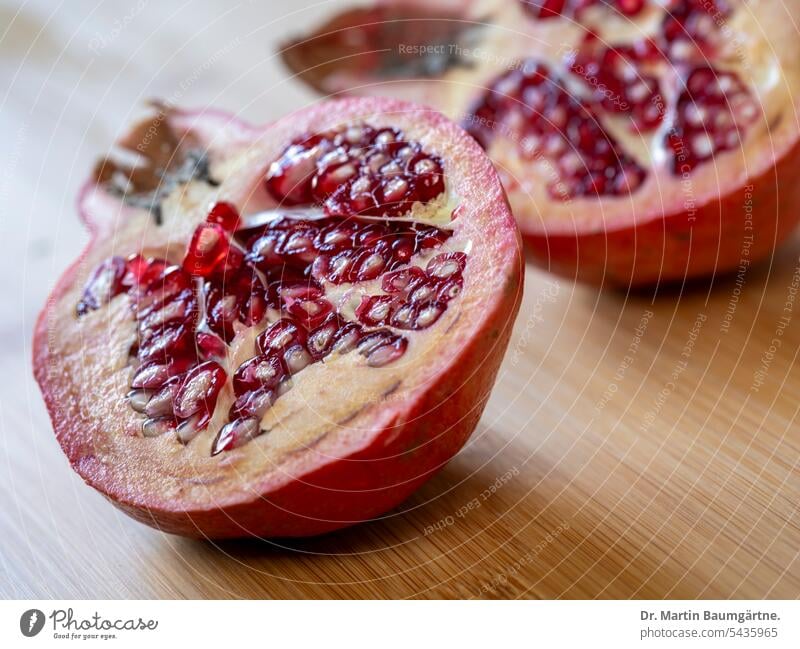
158 426
235 434
308 308
177 309
375 310
280 335
160 403
224 214
210 345
296 358
447 265
402 280
289 178
450 289
199 389
260 371
153 375
138 399
321 339
382 347
190 428
253 404
207 249
346 338
165 345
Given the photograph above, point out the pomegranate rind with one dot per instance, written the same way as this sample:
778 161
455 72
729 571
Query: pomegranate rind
370 464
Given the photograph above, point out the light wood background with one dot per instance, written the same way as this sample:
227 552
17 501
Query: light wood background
623 454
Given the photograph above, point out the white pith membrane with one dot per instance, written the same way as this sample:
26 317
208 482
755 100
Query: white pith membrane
757 42
330 406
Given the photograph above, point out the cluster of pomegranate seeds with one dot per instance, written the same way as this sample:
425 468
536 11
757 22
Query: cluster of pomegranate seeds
550 122
543 9
339 250
713 110
618 81
691 28
356 169
173 385
415 299
711 114
274 276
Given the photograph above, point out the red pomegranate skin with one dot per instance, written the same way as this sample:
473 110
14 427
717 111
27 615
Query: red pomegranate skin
683 245
418 435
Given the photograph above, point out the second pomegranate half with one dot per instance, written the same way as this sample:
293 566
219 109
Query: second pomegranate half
280 331
639 141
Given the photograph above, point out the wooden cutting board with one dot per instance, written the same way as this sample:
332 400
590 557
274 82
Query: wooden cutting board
633 447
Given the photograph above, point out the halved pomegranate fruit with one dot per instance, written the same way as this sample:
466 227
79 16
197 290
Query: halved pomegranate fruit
282 330
639 140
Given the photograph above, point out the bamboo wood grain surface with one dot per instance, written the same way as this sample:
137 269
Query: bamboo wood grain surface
633 447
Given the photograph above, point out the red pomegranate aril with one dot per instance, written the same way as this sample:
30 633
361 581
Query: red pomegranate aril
280 335
382 348
171 281
199 389
544 9
289 179
104 284
263 371
369 265
400 281
165 345
224 214
306 305
450 289
253 404
235 434
414 315
321 339
207 250
210 346
141 270
222 311
346 338
178 309
629 7
375 310
447 265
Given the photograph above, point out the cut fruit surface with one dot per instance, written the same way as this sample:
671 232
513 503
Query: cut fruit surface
635 138
292 330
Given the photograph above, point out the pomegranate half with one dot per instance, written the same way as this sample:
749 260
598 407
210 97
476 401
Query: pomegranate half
639 141
285 330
